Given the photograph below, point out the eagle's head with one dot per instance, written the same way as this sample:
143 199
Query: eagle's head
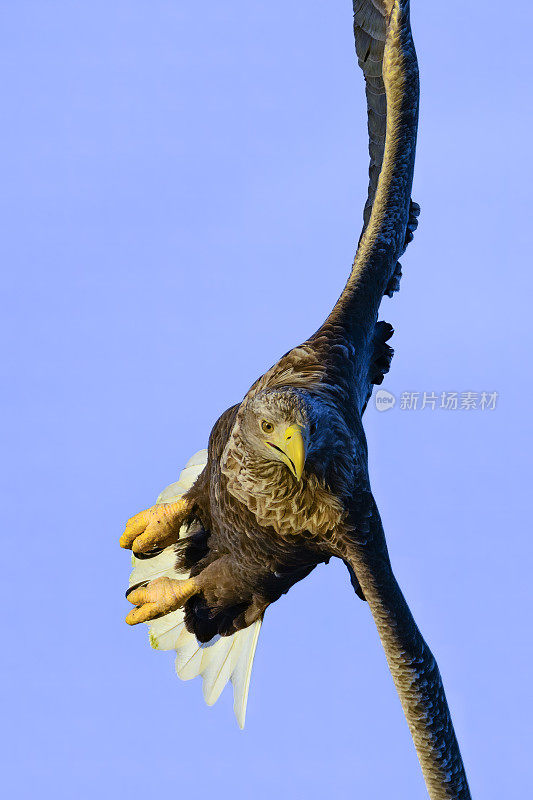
276 426
291 427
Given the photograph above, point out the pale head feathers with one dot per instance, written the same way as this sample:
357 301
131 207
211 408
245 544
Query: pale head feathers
258 477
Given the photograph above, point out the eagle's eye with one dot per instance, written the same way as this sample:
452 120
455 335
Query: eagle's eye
267 426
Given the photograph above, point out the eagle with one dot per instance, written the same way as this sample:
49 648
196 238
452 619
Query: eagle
284 484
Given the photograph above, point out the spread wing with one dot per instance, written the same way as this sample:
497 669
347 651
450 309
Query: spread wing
413 667
223 658
387 57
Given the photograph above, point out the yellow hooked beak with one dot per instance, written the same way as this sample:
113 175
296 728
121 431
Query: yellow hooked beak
293 450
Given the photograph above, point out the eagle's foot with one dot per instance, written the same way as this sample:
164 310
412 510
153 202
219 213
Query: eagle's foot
159 597
158 526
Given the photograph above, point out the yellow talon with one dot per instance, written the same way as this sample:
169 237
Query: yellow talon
158 526
160 597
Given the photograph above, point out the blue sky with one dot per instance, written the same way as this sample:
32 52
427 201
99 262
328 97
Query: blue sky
171 173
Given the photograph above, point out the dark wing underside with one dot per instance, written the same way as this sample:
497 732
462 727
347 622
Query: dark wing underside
370 30
387 58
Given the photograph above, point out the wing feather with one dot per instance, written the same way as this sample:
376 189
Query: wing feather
387 58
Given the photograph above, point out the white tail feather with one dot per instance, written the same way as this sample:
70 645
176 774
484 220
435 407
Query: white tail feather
225 657
217 667
166 631
188 659
243 671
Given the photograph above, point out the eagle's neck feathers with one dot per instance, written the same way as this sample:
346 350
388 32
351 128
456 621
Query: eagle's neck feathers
277 501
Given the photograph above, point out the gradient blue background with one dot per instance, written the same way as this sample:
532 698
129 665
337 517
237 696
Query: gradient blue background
182 187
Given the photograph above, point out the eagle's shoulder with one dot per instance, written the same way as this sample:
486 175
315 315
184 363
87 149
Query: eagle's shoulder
301 367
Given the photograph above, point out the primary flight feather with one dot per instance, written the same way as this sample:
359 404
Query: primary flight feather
285 483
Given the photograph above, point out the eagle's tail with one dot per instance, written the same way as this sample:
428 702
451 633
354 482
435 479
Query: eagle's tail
222 659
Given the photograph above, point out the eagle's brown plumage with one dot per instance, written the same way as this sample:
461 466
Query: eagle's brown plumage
260 521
